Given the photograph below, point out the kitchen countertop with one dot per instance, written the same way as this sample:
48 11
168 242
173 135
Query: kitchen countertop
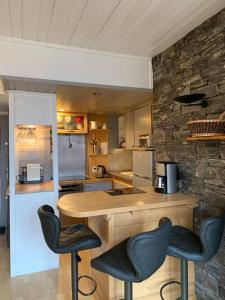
89 180
46 186
118 175
100 203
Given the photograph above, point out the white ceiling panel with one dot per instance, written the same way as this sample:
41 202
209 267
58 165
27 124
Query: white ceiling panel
5 18
93 19
30 18
134 27
16 17
45 17
125 15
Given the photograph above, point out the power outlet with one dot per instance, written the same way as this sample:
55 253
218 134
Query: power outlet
94 169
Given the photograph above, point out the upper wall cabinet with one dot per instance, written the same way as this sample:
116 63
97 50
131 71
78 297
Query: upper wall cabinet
142 122
72 123
129 129
135 123
33 108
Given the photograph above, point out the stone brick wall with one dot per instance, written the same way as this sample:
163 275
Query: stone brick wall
194 64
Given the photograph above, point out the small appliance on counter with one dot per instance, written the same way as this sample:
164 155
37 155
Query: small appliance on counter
100 171
166 177
31 173
144 141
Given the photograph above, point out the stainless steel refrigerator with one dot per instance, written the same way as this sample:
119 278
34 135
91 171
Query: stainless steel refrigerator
142 168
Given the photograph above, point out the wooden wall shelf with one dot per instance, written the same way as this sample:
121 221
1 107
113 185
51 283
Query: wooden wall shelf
99 129
206 138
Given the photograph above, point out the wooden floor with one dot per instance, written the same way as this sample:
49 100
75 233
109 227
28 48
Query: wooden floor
48 285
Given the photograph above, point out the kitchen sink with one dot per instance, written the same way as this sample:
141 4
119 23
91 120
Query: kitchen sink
125 191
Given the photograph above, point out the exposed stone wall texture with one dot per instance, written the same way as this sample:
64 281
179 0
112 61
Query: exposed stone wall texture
194 64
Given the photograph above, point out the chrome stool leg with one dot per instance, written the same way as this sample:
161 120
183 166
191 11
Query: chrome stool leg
74 275
128 290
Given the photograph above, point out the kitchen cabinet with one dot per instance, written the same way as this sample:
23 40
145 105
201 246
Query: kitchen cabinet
135 123
129 129
71 123
98 186
121 128
142 122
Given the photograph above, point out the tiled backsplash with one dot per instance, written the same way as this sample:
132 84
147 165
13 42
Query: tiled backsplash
120 160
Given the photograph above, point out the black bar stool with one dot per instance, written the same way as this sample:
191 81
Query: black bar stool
136 258
187 246
67 239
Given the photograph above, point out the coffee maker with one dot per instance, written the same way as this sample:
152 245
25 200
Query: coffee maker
166 177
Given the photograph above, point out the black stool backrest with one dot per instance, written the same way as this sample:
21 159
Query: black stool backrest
211 231
50 226
147 251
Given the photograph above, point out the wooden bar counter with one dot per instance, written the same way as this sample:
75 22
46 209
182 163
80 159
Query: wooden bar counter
115 218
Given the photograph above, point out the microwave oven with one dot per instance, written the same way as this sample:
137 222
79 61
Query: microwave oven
144 141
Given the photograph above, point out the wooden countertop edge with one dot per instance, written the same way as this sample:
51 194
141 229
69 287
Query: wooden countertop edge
92 180
191 200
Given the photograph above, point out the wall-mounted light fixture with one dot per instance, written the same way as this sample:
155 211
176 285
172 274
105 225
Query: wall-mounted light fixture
26 135
188 100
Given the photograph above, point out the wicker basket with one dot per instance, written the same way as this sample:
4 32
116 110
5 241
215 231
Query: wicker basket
208 127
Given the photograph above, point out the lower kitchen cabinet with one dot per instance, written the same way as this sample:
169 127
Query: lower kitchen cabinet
97 186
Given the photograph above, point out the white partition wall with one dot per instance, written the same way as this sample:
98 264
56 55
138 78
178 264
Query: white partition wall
28 250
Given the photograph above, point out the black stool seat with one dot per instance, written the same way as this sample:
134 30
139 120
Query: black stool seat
116 262
137 258
76 238
184 243
187 246
67 239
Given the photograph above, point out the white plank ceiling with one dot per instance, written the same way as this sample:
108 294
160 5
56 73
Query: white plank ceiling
136 27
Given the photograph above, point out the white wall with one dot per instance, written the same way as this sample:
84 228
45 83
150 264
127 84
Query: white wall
29 59
28 250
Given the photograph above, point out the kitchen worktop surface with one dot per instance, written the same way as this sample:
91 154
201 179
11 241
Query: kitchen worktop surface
122 174
100 203
87 180
46 186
